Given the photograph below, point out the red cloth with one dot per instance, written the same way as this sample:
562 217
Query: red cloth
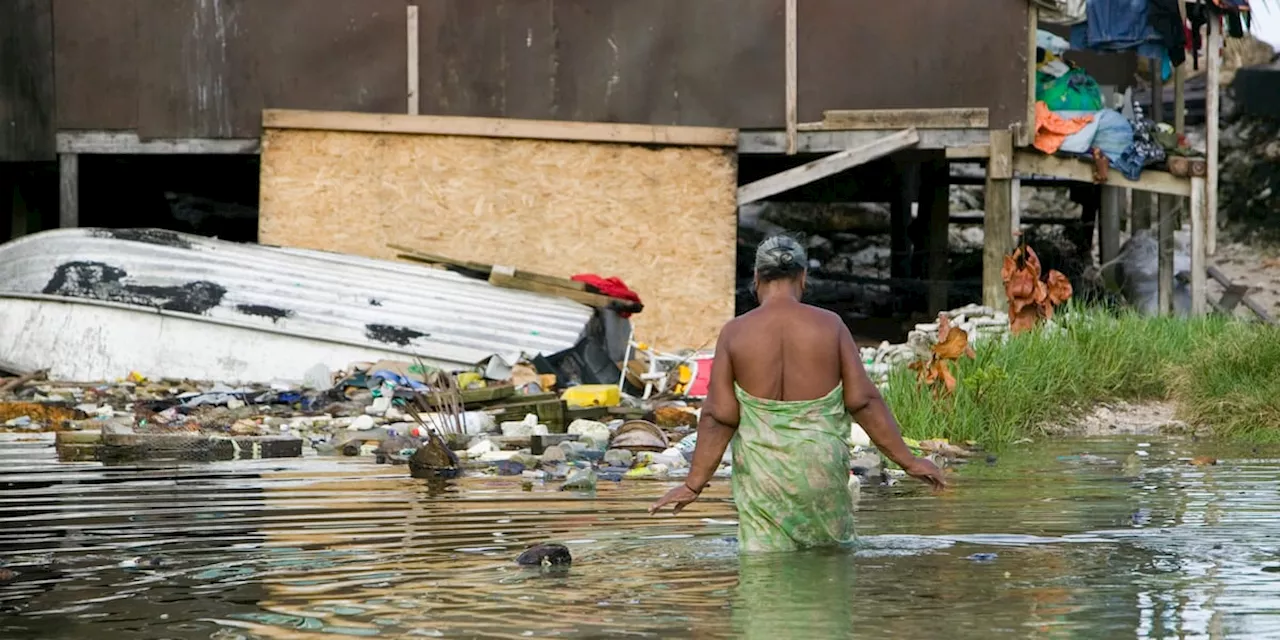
612 287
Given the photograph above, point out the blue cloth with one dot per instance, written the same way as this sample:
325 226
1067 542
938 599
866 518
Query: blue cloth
1081 141
1118 25
1114 137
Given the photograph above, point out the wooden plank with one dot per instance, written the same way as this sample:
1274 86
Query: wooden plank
791 73
823 167
1199 236
419 256
1035 163
128 143
1027 132
1243 291
68 190
500 128
969 152
880 119
506 278
775 142
414 77
95 48
997 220
1212 103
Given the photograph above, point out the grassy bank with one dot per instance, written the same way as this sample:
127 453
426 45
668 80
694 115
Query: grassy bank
1221 373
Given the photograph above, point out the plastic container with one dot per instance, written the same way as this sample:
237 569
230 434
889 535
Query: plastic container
592 395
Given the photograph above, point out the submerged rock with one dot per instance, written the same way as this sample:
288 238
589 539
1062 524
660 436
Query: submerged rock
580 480
545 555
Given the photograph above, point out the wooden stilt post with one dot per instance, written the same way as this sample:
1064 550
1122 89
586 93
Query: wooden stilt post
935 202
1213 78
411 16
1169 204
1109 229
69 190
791 72
906 184
997 225
1199 245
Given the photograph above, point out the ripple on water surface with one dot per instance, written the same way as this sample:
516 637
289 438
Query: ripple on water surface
1075 539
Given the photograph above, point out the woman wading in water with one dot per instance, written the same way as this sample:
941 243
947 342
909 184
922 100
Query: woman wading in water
786 379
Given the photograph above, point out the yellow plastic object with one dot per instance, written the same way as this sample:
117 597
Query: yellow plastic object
592 395
470 380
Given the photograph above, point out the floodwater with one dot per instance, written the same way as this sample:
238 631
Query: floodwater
1046 543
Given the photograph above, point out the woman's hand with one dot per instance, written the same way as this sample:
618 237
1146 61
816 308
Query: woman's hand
926 471
681 496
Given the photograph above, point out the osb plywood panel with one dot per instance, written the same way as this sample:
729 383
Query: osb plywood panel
663 219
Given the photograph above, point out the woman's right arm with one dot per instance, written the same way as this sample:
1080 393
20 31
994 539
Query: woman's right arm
867 406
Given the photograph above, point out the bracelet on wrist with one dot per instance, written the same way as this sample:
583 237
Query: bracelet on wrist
696 491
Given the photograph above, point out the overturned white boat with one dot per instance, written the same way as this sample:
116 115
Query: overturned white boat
95 304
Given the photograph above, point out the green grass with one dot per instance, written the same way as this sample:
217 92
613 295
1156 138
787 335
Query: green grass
1221 373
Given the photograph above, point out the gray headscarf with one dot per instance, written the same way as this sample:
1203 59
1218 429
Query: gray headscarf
779 253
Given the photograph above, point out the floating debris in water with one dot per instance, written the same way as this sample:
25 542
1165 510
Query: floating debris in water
983 557
545 555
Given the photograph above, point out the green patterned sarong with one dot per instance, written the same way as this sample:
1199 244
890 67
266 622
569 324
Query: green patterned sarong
791 473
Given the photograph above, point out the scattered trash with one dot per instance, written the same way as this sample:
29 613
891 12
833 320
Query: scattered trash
545 555
983 557
581 480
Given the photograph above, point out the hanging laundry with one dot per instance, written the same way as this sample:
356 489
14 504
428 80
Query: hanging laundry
1066 12
1166 19
1052 129
1117 25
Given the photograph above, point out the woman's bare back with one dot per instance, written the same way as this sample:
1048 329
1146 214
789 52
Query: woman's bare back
786 351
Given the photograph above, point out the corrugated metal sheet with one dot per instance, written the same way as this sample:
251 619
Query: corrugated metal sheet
388 306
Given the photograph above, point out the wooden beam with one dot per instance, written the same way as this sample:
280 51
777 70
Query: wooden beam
408 253
969 152
1199 238
935 202
1213 80
1036 163
823 167
128 143
506 277
500 128
879 119
791 73
411 19
1243 292
997 224
775 142
905 186
1027 132
1164 238
1109 230
68 190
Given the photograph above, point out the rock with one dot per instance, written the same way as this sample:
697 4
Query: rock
481 446
362 423
525 428
857 436
553 455
528 461
545 555
580 480
597 432
866 464
620 457
433 460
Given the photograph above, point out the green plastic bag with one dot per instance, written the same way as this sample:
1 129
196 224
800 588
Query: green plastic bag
1075 90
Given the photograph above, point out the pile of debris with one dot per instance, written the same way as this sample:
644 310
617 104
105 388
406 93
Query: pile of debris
978 322
1250 171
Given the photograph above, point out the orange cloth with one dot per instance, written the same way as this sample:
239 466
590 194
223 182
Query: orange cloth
1052 129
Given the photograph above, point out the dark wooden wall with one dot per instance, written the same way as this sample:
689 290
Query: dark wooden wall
26 81
719 62
207 68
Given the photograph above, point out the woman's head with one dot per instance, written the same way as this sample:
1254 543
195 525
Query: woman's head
780 260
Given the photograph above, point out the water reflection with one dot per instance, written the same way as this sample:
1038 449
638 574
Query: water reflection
1073 539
